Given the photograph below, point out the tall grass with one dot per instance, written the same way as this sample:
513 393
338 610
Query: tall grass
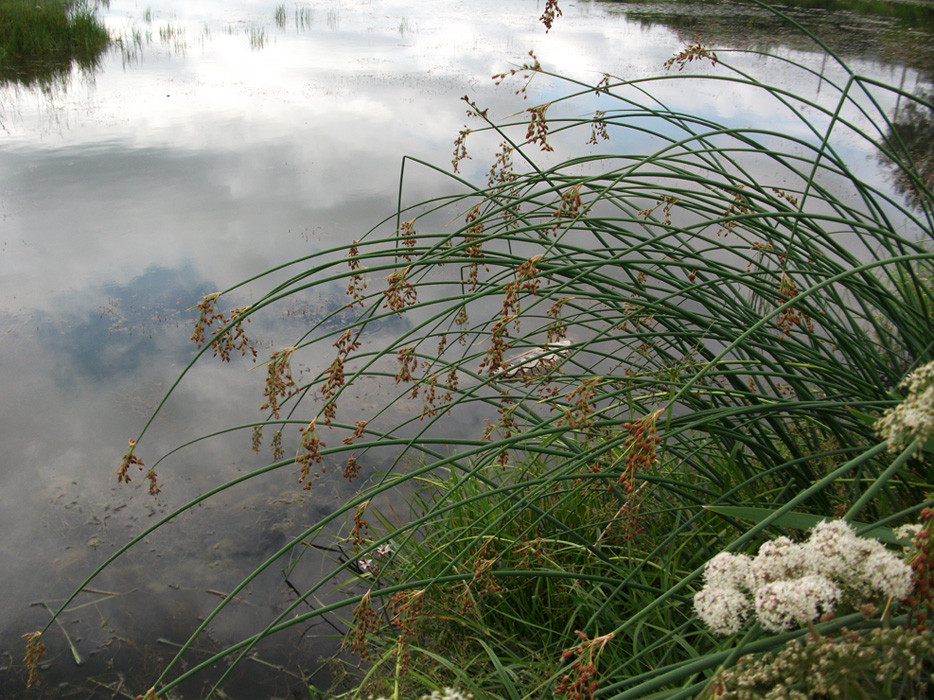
708 320
38 37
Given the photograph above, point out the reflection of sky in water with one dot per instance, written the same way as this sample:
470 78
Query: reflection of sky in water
127 196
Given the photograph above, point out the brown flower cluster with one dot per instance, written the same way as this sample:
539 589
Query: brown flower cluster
35 650
473 247
557 328
356 288
492 361
531 68
352 468
737 207
921 599
598 125
279 383
666 202
407 239
400 293
149 695
224 343
359 432
483 581
537 132
578 415
791 317
506 426
347 343
256 440
641 448
693 52
365 622
404 610
501 172
329 390
551 12
360 533
408 363
460 146
431 393
130 459
309 454
276 444
580 682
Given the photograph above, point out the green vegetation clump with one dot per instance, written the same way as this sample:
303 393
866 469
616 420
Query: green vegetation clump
41 39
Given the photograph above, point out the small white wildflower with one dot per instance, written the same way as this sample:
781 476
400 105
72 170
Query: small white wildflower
782 605
777 559
887 574
908 531
727 570
364 565
913 417
723 610
384 550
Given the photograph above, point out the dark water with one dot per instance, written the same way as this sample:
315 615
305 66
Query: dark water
215 145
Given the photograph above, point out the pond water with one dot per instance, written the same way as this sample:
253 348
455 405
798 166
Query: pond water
214 143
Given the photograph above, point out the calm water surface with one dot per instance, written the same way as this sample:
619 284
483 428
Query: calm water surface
218 144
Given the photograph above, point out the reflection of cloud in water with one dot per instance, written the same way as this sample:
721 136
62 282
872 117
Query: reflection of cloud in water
138 324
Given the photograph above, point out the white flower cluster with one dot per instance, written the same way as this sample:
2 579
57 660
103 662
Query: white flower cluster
789 584
446 694
913 417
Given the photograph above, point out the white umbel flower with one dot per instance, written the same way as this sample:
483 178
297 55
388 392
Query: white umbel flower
783 605
914 417
727 570
777 559
446 694
722 609
834 551
908 531
887 574
794 584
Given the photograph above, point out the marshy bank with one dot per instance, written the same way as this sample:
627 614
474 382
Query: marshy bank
716 259
40 40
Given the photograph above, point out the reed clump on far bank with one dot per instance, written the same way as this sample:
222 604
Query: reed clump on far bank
698 359
38 35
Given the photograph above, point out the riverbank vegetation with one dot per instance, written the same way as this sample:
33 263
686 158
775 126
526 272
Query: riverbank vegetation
42 38
657 414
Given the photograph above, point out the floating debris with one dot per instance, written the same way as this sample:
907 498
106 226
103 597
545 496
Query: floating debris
536 361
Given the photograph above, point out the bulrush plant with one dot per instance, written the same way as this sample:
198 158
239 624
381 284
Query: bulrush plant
731 341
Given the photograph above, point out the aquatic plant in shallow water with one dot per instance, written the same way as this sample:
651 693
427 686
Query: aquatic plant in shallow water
732 306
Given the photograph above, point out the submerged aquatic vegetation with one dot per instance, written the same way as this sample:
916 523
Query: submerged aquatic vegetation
687 328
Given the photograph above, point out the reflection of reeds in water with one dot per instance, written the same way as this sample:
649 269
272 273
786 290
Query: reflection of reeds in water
740 303
303 17
279 16
130 44
334 19
257 37
404 27
174 36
